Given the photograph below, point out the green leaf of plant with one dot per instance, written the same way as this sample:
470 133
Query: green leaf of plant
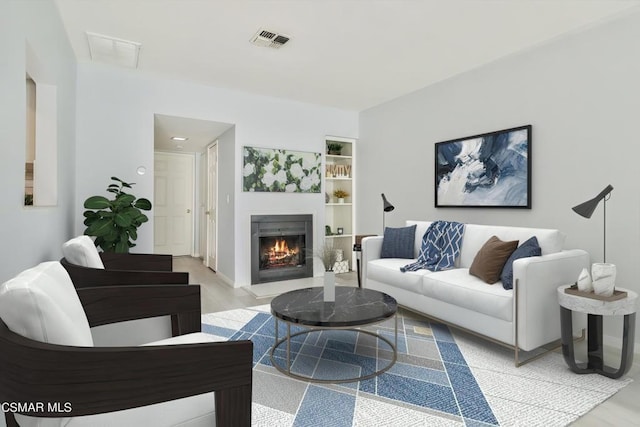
125 199
100 228
97 202
122 220
143 204
122 247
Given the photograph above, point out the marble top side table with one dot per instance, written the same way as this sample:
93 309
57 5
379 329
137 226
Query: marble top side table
595 309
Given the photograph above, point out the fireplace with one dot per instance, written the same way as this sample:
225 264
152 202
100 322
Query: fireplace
281 247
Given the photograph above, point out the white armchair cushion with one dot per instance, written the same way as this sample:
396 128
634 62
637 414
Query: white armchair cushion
194 411
82 251
42 304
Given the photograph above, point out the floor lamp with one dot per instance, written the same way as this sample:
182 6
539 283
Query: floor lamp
586 210
386 207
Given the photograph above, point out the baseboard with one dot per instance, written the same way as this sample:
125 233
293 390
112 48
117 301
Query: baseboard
225 280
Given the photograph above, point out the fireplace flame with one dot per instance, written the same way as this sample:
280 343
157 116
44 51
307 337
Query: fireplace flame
281 247
281 254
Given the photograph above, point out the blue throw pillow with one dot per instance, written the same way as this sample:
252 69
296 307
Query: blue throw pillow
525 250
398 242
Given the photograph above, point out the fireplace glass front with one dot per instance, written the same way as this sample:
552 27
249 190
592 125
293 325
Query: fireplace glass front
281 247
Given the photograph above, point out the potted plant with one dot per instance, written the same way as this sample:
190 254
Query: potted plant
340 195
115 222
334 148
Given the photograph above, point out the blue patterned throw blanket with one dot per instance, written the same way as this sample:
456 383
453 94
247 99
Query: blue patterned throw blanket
440 247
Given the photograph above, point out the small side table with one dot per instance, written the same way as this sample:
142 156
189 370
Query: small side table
595 309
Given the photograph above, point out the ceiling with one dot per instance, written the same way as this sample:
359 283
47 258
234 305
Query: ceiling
347 54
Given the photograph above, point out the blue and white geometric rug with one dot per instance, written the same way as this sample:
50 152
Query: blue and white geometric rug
440 378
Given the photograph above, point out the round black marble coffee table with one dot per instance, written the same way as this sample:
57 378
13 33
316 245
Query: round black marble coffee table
353 308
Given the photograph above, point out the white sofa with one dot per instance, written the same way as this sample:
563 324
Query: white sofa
526 321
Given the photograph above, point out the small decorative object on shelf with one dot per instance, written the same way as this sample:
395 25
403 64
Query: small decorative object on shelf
340 230
604 278
584 281
340 195
334 148
338 171
327 230
341 267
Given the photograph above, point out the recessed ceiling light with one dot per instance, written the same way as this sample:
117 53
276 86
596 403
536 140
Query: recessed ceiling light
179 138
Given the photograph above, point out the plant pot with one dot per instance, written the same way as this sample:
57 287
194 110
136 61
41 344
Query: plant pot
604 278
329 291
341 200
334 152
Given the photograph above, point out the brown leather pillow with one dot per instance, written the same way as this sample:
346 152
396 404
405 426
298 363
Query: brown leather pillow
491 258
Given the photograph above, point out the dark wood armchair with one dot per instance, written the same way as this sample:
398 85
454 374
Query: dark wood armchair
88 267
96 380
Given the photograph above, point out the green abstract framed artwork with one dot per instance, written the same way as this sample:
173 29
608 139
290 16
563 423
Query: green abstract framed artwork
285 171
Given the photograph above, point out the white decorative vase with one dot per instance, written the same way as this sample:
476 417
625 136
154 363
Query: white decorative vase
584 281
329 293
604 278
341 200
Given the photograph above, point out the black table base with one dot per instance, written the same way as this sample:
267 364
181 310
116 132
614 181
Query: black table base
595 363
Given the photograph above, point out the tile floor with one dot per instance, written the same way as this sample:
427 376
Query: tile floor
621 410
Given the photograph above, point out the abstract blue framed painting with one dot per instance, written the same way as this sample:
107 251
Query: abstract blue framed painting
490 170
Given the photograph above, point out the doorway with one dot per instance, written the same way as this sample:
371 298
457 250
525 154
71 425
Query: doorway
192 138
173 203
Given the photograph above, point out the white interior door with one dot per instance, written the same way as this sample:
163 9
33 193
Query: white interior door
212 207
173 203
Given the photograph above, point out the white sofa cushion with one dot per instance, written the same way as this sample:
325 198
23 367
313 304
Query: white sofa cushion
82 251
387 270
459 288
42 304
550 241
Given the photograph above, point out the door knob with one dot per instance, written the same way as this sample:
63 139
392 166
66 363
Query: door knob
188 210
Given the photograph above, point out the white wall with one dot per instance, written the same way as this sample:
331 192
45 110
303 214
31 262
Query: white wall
581 93
115 136
226 210
31 235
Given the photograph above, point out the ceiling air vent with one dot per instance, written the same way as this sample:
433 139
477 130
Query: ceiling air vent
112 50
265 38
